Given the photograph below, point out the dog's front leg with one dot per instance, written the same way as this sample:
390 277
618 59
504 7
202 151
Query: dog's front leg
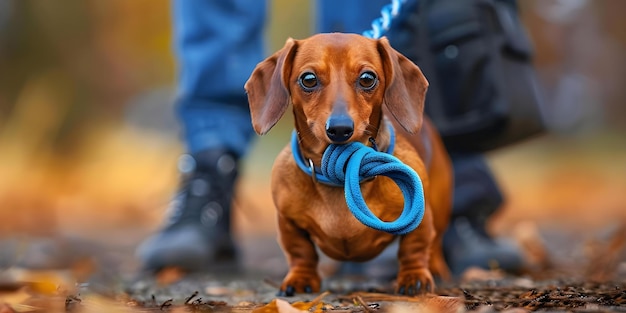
301 256
414 276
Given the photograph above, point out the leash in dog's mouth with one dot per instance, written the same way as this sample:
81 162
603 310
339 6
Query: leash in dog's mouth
348 165
307 166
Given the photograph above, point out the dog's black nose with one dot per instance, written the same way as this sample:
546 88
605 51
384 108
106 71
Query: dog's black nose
339 128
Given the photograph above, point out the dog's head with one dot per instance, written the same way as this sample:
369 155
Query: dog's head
338 85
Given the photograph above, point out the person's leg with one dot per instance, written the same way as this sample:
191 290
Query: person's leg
218 43
347 16
476 193
476 198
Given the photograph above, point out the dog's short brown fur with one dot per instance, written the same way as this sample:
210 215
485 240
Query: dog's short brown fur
311 213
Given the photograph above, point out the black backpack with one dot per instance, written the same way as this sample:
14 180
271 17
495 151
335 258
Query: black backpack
483 91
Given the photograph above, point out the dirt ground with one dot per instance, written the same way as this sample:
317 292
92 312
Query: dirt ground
565 206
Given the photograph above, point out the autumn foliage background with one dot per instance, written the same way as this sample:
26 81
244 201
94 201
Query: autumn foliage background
88 141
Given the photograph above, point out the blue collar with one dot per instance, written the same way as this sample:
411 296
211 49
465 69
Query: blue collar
307 166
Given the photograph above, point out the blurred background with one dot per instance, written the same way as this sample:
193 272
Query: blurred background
89 143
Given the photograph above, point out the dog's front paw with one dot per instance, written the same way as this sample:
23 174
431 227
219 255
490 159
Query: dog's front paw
415 282
298 281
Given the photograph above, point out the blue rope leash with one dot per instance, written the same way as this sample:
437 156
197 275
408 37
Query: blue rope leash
349 164
382 24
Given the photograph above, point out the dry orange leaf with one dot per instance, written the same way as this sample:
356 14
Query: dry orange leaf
46 282
5 308
401 304
169 275
14 297
435 304
479 274
282 306
14 301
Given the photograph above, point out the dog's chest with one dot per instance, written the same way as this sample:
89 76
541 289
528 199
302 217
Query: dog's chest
321 211
341 236
327 212
338 233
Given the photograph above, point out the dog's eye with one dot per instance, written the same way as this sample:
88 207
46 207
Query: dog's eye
308 81
368 80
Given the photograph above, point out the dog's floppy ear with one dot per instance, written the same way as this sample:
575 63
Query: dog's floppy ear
406 87
268 95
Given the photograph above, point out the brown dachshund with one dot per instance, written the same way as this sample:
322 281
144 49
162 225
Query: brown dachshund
342 87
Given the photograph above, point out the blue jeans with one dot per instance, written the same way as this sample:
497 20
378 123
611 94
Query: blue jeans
218 43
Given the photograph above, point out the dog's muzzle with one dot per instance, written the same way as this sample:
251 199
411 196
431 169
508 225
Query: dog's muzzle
339 128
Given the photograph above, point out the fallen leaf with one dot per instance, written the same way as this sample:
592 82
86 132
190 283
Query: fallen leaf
217 291
18 308
284 307
606 256
46 282
96 304
268 308
479 274
532 245
6 308
14 297
245 304
444 304
428 304
399 304
169 275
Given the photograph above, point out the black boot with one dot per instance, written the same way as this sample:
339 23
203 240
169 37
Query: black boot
466 242
467 245
197 236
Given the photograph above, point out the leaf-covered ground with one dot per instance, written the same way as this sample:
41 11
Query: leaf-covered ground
565 207
595 283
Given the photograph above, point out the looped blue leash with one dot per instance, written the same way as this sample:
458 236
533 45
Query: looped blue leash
351 163
347 165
